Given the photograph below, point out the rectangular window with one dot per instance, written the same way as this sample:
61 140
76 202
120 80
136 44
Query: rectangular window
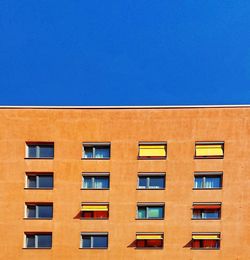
206 211
94 240
95 181
151 181
95 210
39 210
206 241
39 180
157 150
207 180
149 240
213 150
150 211
96 151
38 240
40 150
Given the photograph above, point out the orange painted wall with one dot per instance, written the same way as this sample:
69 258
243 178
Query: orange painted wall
124 128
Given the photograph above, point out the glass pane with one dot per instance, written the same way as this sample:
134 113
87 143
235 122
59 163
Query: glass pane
196 214
102 152
213 182
45 211
31 211
100 241
46 151
87 182
86 242
198 182
31 181
156 182
30 241
142 182
141 212
101 182
32 151
44 240
210 214
45 181
155 212
88 152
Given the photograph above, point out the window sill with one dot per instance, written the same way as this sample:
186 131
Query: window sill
149 218
37 248
37 218
38 188
150 188
93 248
107 158
94 219
205 218
38 158
152 157
208 157
94 189
149 248
207 188
200 248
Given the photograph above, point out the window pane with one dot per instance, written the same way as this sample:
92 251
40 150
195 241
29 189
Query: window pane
196 214
32 151
45 181
31 211
156 182
88 152
141 212
86 242
213 182
46 151
210 214
30 241
142 182
100 241
198 182
87 182
101 182
44 240
102 152
45 211
31 181
155 212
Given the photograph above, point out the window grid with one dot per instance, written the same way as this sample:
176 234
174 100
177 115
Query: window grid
37 181
147 210
204 183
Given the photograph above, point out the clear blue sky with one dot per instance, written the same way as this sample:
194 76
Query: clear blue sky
124 52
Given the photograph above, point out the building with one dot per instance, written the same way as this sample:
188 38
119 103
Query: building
125 182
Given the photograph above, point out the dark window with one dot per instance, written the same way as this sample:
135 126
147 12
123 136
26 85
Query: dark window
206 244
209 211
151 182
149 241
40 181
208 181
211 150
95 182
39 211
40 150
94 241
96 151
39 240
152 150
150 212
95 211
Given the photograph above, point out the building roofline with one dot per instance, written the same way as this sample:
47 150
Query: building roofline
127 107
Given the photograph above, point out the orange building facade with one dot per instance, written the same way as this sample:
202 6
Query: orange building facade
125 182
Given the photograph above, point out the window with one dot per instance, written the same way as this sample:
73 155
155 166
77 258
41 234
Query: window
156 150
150 211
149 240
95 181
96 150
94 240
206 241
207 180
38 240
213 150
43 210
39 180
95 210
151 181
40 150
206 210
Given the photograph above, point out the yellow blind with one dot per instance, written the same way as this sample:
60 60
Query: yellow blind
205 237
209 150
142 237
152 150
94 208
